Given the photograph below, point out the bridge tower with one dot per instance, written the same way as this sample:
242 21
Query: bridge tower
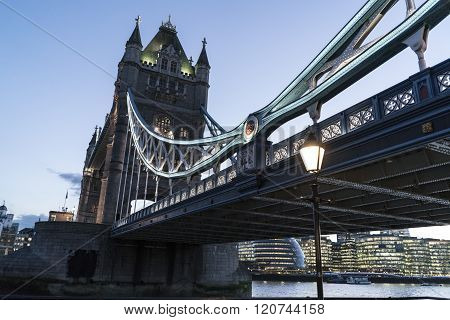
169 91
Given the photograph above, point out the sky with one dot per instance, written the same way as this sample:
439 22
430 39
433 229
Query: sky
59 64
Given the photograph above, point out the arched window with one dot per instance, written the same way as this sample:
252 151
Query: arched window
163 125
173 67
164 64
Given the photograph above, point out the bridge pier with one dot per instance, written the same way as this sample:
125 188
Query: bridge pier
81 259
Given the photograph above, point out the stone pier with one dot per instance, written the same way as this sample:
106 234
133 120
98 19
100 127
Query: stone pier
81 259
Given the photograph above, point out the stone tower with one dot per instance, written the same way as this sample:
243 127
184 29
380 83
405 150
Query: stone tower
169 92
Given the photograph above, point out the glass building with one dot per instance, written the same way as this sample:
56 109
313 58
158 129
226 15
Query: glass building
380 253
309 249
274 255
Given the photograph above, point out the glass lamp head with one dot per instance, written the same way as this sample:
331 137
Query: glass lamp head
312 153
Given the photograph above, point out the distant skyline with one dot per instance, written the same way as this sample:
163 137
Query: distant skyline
60 64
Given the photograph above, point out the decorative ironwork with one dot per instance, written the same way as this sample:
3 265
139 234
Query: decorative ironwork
221 180
246 158
200 188
297 145
360 118
192 193
280 154
177 198
444 81
332 131
171 158
183 195
231 175
209 185
399 101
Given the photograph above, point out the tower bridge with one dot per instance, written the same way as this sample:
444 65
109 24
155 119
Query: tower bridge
386 167
386 164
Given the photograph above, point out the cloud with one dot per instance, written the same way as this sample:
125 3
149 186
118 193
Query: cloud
28 220
73 178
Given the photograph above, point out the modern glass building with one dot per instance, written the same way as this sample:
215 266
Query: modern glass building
439 261
380 253
274 255
386 252
309 249
348 256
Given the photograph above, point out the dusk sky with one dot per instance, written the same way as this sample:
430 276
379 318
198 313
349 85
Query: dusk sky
59 63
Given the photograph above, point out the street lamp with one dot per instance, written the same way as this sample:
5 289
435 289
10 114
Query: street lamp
312 154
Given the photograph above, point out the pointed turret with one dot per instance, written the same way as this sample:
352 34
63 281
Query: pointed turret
202 67
92 144
166 42
203 58
135 37
131 59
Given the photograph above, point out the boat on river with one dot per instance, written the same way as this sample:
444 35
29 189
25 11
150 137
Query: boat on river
358 280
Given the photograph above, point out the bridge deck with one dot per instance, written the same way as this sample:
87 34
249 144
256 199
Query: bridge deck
391 173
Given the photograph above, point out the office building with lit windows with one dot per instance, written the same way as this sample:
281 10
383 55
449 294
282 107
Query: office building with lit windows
23 238
274 255
309 249
380 253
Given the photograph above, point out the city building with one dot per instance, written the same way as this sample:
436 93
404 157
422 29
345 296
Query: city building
380 253
403 255
6 219
8 231
397 232
417 256
336 257
62 215
23 238
309 249
439 257
7 239
393 252
274 255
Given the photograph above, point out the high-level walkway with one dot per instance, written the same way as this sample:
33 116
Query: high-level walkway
387 165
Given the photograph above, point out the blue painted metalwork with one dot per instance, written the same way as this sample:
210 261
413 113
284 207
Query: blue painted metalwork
343 61
369 113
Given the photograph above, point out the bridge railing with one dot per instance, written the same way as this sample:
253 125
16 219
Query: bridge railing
403 97
393 101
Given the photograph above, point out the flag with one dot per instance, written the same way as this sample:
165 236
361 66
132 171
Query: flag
67 194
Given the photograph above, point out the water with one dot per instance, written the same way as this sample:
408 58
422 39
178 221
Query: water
280 289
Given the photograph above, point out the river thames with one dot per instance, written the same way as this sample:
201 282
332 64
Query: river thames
280 289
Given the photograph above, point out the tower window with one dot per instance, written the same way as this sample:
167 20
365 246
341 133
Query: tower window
181 87
173 67
152 81
164 64
162 82
172 86
184 133
163 125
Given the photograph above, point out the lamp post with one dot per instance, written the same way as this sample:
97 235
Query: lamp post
312 156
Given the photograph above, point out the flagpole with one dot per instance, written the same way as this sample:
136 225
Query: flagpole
65 200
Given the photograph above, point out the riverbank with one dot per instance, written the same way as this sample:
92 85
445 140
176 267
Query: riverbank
374 278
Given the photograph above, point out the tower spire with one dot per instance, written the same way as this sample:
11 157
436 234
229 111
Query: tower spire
203 58
135 37
169 25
